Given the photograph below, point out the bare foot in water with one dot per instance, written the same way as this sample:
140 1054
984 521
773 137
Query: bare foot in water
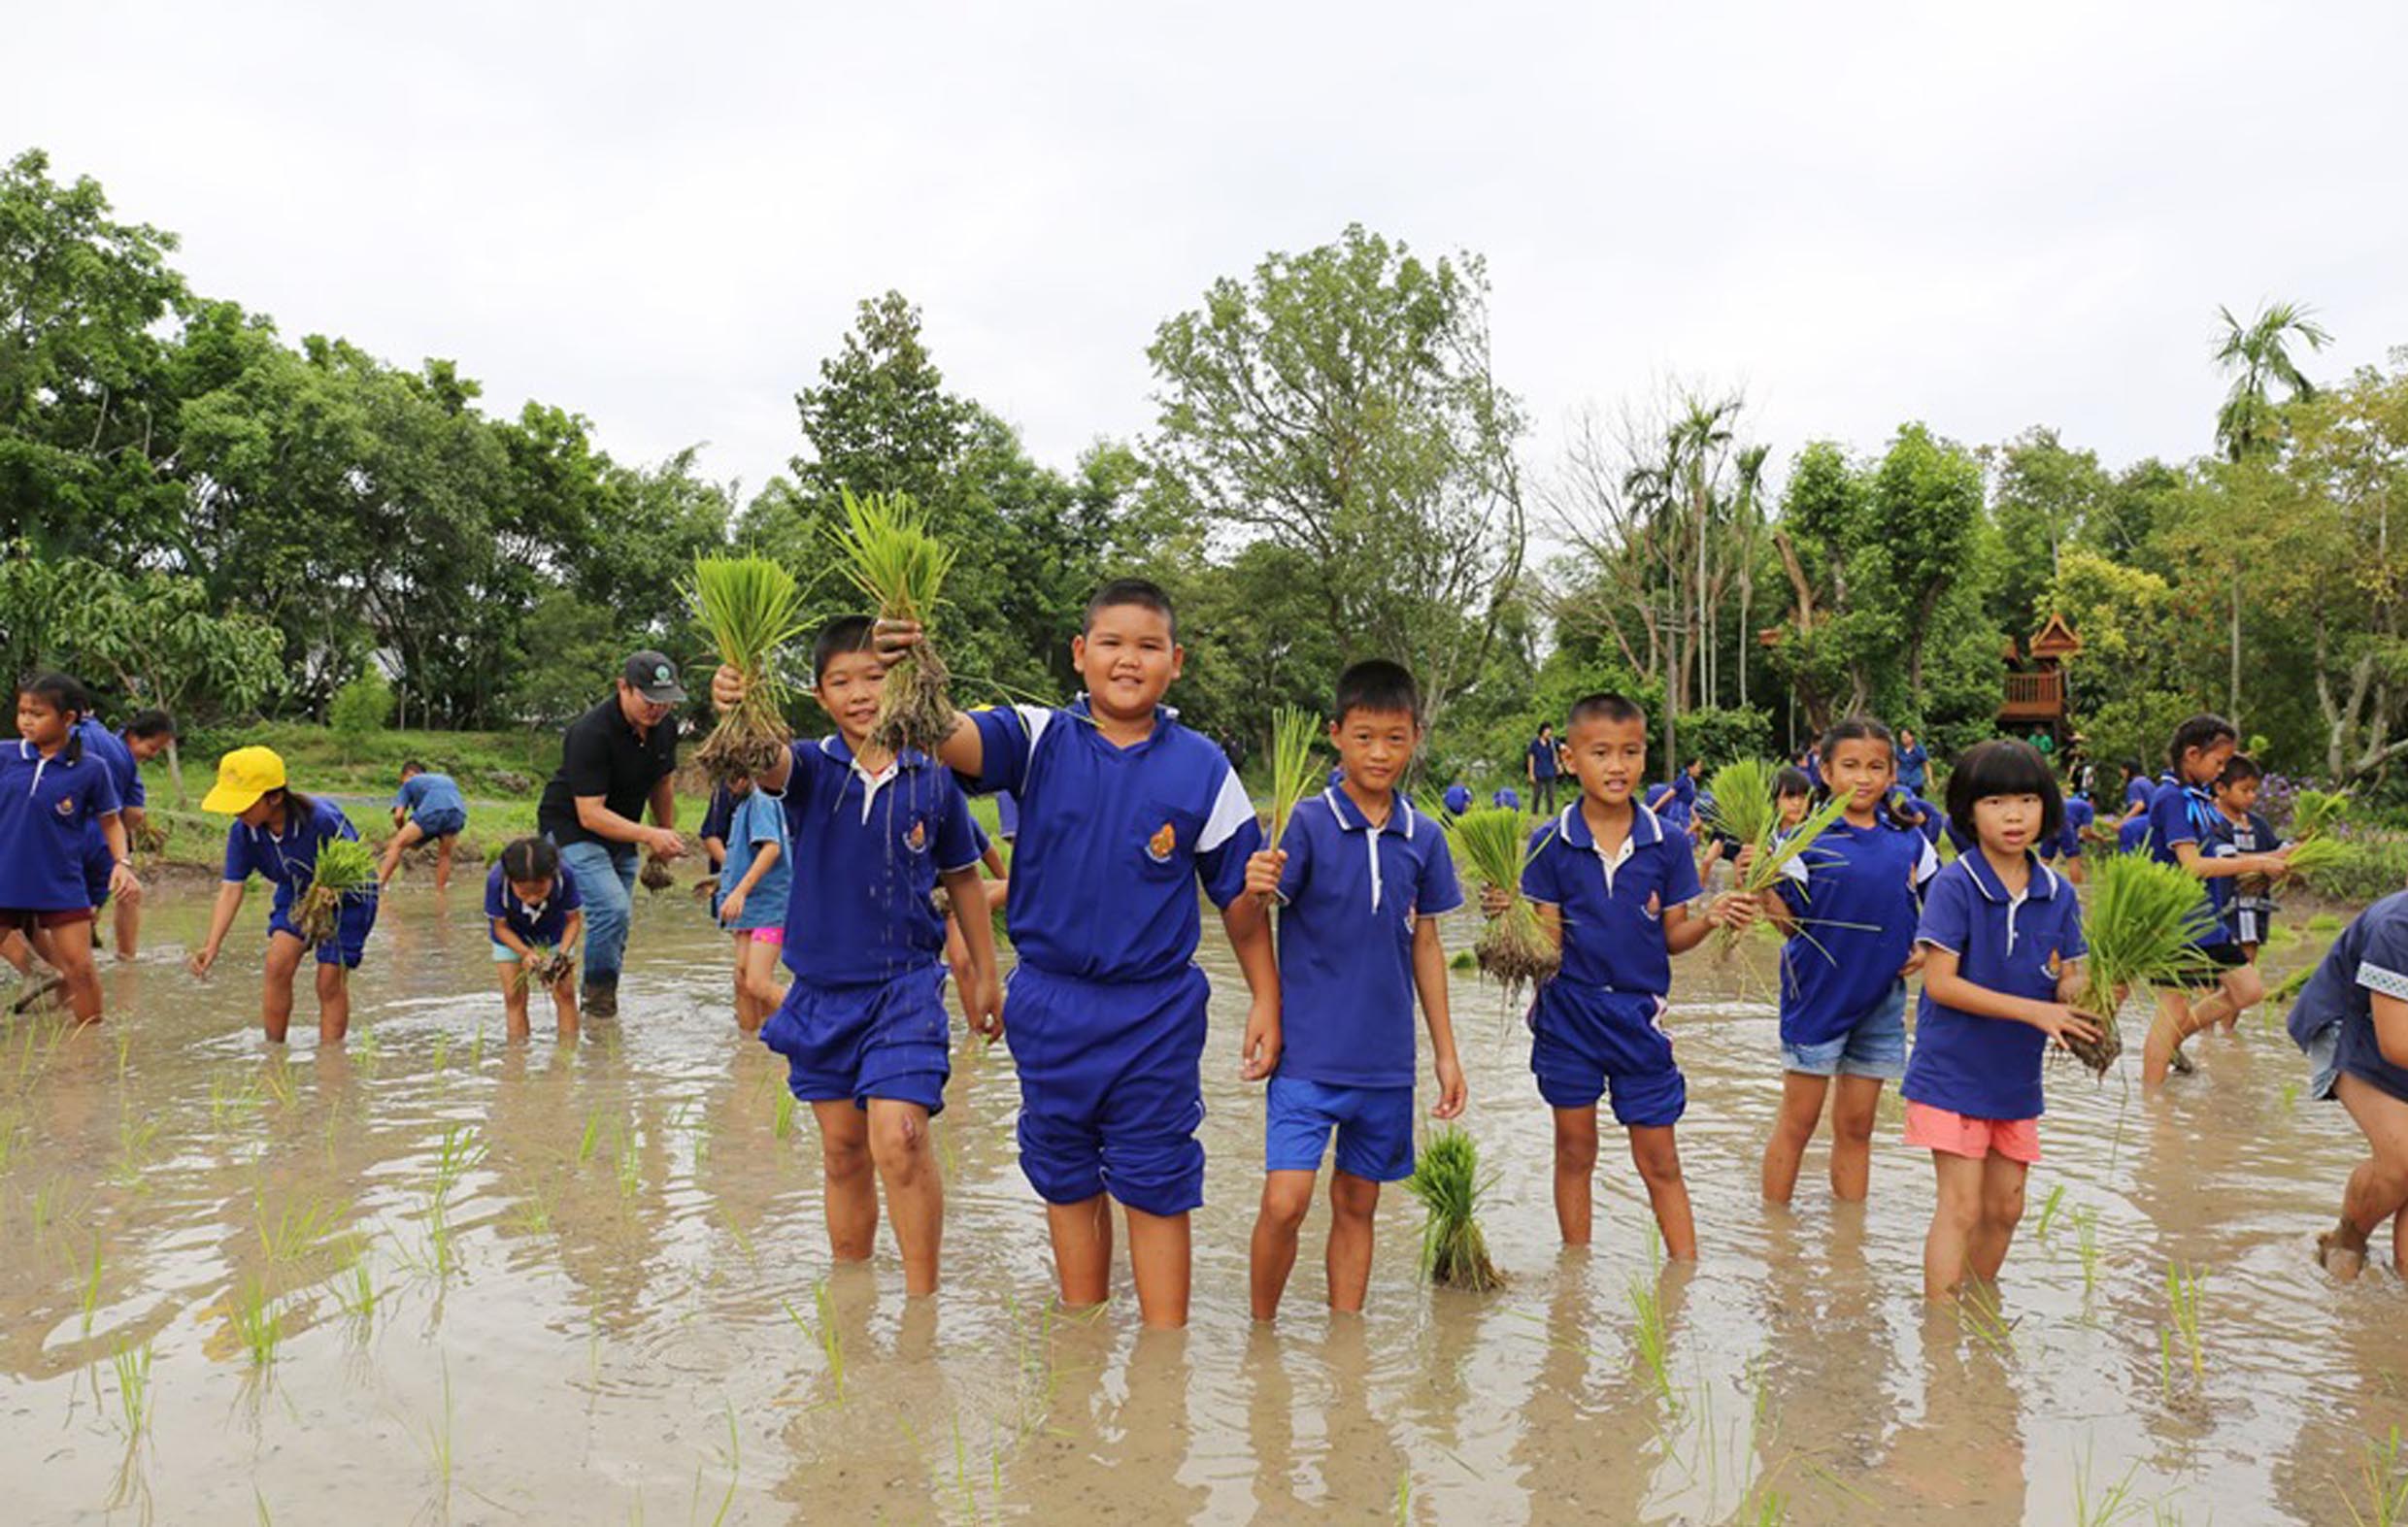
2342 1252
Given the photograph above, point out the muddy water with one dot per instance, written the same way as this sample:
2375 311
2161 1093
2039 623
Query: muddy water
518 1285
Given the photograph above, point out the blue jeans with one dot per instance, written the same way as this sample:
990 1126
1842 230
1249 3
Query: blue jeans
606 880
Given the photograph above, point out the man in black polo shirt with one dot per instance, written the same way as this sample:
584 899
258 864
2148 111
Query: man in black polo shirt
615 760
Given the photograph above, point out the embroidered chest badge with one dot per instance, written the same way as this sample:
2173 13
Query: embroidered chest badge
1160 846
66 806
916 840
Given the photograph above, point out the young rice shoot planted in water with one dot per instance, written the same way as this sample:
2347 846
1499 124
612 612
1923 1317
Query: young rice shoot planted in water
893 560
1447 1181
1513 949
753 607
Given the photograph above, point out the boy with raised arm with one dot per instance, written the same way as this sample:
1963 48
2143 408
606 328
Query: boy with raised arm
1122 811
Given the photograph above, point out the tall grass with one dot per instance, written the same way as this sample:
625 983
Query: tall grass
890 556
2144 926
753 607
1447 1182
1493 844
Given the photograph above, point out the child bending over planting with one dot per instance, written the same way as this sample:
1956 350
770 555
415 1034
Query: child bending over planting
536 916
2351 1019
1362 879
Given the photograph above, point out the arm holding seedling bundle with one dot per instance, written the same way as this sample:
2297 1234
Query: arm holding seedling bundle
594 814
1686 928
2059 1019
1770 902
1430 979
2209 868
962 750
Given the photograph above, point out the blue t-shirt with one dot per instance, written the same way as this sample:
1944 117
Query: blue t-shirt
1914 764
1542 759
2132 834
1458 799
1351 896
1928 818
1114 840
49 809
1675 800
717 816
1855 894
1007 815
544 922
863 852
1508 797
289 859
759 820
106 748
2189 816
1613 911
2136 793
2079 813
425 793
1967 1063
2372 956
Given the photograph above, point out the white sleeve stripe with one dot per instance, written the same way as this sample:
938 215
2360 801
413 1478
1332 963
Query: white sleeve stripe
1929 865
1231 810
2374 978
1034 720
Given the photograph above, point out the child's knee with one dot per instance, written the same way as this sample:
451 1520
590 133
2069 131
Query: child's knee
1287 1198
1659 1163
2003 1207
1576 1144
845 1156
899 1141
1354 1198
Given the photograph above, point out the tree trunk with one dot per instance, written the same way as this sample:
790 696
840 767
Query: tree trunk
174 773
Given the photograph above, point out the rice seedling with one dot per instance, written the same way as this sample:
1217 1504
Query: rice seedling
294 1233
657 875
2085 1246
257 1325
133 1371
2048 1213
1776 851
438 1447
442 1058
591 1139
1447 1182
12 1136
782 1114
2317 812
1513 951
2383 1474
2144 924
630 1163
90 1297
346 867
457 1154
2106 1508
545 969
150 837
753 607
2183 1288
2288 989
1293 768
823 1334
2311 858
356 1293
891 558
1650 1342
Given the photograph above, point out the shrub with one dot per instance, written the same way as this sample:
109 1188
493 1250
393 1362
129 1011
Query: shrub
360 708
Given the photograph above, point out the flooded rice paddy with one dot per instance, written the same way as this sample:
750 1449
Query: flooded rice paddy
437 1277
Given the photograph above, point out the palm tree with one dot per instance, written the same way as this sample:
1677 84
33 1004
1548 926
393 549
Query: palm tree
1747 517
2257 355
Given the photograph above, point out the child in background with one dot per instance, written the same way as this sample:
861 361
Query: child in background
427 805
869 837
146 736
1842 983
531 901
2250 912
1508 797
2079 816
277 832
2002 944
2185 828
1457 798
713 832
52 796
1793 796
1363 879
1122 811
1675 801
1614 887
2352 1021
753 886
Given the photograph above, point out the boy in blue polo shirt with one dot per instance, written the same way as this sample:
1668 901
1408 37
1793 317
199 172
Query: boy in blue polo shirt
427 804
1459 798
1122 811
1363 879
870 836
1615 885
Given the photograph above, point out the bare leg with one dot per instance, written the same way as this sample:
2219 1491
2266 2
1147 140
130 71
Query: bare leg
1853 1113
564 1006
404 838
906 1159
285 954
1082 1235
128 915
71 950
1794 1127
1576 1163
1658 1158
1354 1205
2002 1210
1956 1218
1287 1198
851 1195
514 1002
1161 1263
442 861
2378 1187
334 1004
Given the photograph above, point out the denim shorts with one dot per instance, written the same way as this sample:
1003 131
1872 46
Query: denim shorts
1875 1046
2325 1063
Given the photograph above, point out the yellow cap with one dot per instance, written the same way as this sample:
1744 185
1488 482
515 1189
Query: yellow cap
242 777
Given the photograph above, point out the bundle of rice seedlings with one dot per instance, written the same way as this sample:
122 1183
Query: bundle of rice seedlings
1493 844
151 837
893 560
656 875
2144 926
1293 767
346 867
1775 850
2313 856
753 607
1447 1181
546 970
1744 809
2316 812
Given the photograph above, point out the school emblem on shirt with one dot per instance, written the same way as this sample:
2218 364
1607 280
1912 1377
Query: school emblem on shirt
66 806
1162 844
916 840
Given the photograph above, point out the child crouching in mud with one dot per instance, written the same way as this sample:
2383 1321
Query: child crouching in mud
2351 1019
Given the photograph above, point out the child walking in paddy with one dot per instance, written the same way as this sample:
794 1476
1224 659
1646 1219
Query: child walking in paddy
1614 886
532 902
2351 1020
277 832
2250 915
428 806
1849 906
1363 879
53 795
869 836
753 885
2001 936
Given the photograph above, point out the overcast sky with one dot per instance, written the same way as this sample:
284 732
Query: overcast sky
1983 217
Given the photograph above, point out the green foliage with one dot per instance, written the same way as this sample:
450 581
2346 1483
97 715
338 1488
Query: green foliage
753 607
1720 735
2359 869
361 707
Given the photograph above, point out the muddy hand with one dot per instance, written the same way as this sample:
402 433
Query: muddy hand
890 640
726 688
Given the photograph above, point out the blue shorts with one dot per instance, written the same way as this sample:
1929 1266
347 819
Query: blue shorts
98 866
1584 1040
1374 1125
1874 1045
2323 1051
350 930
1112 1088
852 1044
444 823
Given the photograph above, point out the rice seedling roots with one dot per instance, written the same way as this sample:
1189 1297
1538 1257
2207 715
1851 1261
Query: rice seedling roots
2099 1056
916 708
1514 957
739 747
315 913
657 876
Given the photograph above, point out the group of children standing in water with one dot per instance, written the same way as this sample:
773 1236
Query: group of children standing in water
833 857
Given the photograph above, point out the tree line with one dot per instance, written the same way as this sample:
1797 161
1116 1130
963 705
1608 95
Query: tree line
198 512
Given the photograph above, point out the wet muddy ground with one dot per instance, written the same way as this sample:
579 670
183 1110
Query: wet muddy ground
434 1276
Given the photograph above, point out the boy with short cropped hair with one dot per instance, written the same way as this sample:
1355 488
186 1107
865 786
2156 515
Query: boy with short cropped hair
2249 914
1363 879
428 805
1122 811
1614 887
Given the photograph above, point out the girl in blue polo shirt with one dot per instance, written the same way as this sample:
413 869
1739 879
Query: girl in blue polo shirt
51 794
2002 938
2351 1019
530 900
276 833
1849 906
752 895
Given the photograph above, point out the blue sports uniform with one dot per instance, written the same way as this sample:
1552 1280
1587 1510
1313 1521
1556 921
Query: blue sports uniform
1107 1006
1598 1022
290 859
2079 815
2333 1021
50 809
545 922
2186 814
434 802
865 1015
1843 1003
1675 801
2249 914
1354 895
106 748
1964 1062
1458 799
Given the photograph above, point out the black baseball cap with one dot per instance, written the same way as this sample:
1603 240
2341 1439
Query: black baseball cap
653 677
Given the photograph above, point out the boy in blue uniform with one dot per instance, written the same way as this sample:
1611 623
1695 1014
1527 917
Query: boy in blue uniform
144 736
2079 815
2250 912
2184 830
531 901
870 836
428 805
1614 886
1508 797
1122 811
2351 1020
1457 798
1363 879
52 796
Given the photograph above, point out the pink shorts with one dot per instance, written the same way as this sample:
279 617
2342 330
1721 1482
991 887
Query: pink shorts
1962 1134
775 938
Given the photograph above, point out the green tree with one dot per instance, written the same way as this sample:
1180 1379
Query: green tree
2048 495
360 708
2257 355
